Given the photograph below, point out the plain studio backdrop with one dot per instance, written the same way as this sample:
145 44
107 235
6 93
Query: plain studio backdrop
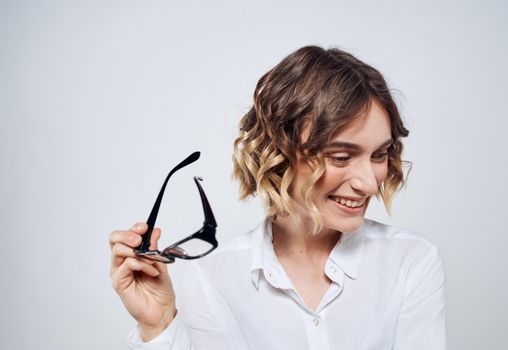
99 99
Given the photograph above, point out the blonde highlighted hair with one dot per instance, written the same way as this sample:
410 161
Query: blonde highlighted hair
328 89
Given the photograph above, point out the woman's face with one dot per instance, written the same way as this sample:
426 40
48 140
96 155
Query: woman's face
356 165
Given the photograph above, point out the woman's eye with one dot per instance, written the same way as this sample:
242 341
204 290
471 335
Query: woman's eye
339 160
380 155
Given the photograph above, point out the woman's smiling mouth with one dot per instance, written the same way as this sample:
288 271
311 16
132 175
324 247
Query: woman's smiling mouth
348 205
347 202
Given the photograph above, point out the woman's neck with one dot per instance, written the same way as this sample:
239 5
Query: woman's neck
293 240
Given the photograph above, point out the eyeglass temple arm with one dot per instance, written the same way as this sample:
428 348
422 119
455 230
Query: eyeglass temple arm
209 218
145 242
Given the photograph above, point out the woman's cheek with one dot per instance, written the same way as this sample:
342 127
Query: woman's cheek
382 173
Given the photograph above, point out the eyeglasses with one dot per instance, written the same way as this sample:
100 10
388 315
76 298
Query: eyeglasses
194 246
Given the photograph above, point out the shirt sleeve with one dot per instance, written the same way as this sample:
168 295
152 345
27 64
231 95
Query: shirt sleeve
174 337
421 323
195 325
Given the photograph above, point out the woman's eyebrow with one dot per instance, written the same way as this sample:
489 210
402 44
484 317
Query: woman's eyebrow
354 146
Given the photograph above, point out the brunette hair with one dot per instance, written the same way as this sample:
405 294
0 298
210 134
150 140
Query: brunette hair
327 88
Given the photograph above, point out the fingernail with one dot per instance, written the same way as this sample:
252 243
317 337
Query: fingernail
138 228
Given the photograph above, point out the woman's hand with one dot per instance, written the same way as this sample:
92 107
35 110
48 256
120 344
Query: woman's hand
143 285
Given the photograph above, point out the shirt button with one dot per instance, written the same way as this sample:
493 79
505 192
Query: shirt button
333 269
316 322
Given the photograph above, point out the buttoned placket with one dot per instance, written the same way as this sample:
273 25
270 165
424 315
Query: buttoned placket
317 332
313 320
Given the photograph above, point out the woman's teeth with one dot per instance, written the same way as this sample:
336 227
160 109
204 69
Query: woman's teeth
347 202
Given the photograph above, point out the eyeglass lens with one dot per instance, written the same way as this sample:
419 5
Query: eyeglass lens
190 249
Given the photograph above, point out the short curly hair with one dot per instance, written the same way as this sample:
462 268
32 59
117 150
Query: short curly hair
327 88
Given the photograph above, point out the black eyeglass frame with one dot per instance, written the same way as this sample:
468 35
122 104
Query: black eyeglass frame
205 233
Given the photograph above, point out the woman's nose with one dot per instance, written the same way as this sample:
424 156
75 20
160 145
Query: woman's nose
364 179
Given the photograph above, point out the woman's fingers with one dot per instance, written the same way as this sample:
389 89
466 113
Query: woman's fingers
123 242
133 264
122 277
154 239
119 253
128 238
139 228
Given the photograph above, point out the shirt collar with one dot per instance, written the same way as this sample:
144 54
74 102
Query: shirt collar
345 255
348 251
264 258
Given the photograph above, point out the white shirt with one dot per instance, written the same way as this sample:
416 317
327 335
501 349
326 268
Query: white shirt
387 292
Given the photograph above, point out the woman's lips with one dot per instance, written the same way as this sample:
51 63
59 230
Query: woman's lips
347 209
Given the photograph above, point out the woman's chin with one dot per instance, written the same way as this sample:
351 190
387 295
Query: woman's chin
345 224
344 219
349 226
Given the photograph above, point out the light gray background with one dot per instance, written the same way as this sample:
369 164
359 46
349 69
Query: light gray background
98 99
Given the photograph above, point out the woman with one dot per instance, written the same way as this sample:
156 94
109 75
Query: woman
322 138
